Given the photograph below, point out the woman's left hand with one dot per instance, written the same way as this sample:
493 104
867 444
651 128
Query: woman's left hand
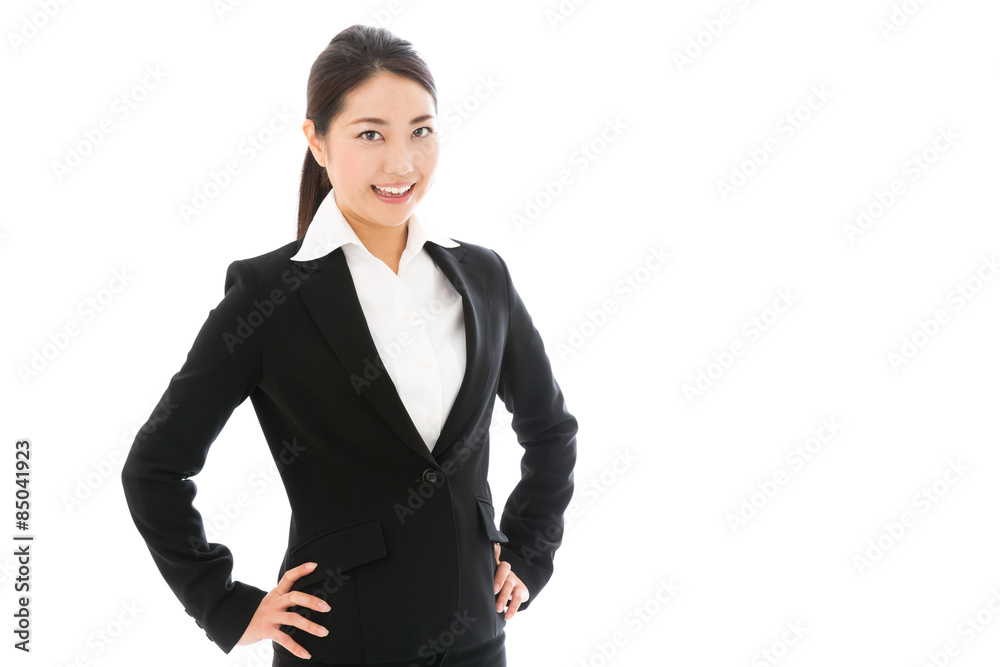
508 586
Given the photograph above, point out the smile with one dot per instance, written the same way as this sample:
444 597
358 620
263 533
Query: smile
393 191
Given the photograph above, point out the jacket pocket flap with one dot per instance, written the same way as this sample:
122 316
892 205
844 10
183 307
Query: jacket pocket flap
487 513
337 550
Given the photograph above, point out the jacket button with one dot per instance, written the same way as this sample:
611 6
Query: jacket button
431 476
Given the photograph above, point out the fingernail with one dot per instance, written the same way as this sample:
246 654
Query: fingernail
310 565
323 632
305 655
324 606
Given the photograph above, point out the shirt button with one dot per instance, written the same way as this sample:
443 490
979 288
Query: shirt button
410 315
431 476
426 363
431 419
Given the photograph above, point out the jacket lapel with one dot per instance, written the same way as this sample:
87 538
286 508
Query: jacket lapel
478 336
329 295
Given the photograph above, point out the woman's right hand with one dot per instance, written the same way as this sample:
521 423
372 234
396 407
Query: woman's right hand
273 612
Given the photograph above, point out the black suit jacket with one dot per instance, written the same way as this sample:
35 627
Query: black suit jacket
403 536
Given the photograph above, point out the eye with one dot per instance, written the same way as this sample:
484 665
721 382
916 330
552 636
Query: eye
368 132
425 134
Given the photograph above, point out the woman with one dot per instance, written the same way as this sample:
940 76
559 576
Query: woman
372 350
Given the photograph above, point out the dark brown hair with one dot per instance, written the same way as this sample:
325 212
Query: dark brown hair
355 55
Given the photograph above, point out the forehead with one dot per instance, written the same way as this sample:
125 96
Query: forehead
389 96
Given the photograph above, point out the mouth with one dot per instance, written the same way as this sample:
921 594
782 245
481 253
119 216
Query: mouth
397 192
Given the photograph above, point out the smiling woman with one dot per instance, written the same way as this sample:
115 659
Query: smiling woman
376 346
380 166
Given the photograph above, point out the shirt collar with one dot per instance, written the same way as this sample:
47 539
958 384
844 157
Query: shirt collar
330 230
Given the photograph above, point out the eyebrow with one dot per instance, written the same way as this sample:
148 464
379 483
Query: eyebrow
379 121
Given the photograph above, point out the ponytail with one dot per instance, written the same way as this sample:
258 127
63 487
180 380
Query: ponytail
313 189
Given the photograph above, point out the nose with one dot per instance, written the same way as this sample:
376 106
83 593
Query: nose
399 159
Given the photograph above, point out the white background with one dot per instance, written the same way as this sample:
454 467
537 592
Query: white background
894 78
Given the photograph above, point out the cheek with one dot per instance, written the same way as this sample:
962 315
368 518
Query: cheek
351 169
426 160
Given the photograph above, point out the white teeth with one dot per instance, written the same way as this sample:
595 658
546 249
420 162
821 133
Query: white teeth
393 191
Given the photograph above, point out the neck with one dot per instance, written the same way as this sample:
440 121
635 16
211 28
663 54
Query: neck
385 243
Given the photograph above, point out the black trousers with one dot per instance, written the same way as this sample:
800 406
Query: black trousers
490 653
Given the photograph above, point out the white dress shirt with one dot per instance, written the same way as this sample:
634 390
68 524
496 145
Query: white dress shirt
415 317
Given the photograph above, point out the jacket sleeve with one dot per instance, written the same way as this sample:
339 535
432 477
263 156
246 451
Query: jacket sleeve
532 518
221 369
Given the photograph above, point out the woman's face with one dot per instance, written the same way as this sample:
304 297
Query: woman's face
384 137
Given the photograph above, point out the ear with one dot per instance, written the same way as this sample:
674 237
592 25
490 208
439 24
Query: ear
315 144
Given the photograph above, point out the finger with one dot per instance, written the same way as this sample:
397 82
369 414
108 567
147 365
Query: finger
293 575
496 551
301 622
298 598
501 575
290 644
517 596
508 586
